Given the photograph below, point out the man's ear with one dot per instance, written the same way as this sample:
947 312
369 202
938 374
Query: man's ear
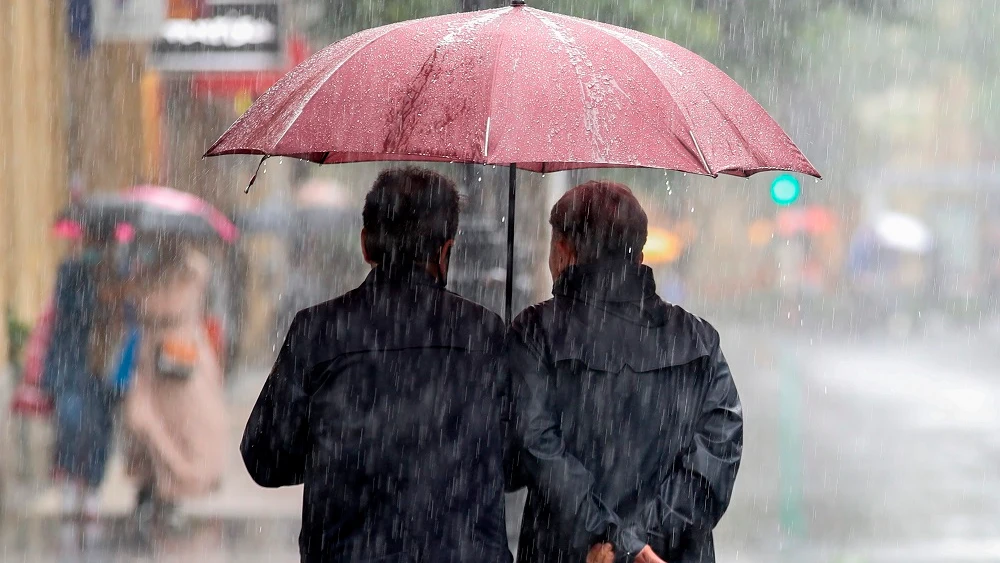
364 247
444 258
567 250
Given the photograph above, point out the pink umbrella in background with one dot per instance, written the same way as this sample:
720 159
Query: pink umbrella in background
514 86
150 208
183 203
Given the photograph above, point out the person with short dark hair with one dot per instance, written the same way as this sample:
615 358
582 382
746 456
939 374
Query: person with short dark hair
628 425
386 402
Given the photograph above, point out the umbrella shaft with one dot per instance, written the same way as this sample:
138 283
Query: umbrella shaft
509 289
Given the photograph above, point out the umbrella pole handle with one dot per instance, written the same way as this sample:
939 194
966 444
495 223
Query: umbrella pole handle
509 289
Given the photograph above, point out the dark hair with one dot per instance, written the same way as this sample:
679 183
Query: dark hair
602 220
409 214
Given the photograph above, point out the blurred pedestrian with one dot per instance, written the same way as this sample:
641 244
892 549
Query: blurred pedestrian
174 415
629 427
73 377
386 401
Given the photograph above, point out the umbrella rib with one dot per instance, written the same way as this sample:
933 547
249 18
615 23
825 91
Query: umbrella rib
701 155
486 143
493 85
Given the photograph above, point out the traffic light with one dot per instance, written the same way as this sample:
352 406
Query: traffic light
785 189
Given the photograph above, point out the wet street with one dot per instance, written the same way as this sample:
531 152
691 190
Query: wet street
866 449
857 450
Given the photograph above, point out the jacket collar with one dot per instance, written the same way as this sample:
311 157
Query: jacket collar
613 281
408 276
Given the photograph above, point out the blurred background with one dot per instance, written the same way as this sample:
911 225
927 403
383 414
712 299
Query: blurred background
860 313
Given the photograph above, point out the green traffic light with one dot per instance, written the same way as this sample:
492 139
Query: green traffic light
785 189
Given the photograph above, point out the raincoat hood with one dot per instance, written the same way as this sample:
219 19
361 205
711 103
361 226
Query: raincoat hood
589 296
618 287
616 281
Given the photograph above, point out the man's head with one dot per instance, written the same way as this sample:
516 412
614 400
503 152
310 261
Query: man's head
410 220
596 221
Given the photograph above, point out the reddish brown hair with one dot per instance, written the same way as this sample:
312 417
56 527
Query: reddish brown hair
602 220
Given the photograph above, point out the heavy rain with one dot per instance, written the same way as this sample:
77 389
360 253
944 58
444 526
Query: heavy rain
493 281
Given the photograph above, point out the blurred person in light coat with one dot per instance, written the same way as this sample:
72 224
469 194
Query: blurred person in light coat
175 412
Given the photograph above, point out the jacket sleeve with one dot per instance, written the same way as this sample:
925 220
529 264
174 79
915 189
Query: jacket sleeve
274 445
542 458
697 490
513 478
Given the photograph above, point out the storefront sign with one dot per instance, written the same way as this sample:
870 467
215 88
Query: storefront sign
231 36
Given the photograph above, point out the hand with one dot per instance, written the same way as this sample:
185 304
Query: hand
646 556
601 553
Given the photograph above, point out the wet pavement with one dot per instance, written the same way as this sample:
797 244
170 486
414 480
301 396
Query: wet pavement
114 540
866 449
857 450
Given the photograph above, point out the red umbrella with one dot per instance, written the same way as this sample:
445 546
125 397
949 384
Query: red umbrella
515 86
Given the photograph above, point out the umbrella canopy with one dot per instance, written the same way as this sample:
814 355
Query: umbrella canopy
544 91
152 209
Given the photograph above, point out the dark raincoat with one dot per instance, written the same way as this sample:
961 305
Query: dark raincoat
84 406
628 421
386 403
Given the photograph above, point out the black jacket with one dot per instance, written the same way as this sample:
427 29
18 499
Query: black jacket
385 403
629 425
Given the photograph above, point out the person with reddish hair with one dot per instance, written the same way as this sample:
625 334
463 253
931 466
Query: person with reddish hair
629 428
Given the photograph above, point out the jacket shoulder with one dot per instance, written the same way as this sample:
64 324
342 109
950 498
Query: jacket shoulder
699 331
533 316
474 312
331 308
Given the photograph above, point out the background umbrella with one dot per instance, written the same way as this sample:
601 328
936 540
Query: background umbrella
901 232
808 220
152 209
318 205
514 86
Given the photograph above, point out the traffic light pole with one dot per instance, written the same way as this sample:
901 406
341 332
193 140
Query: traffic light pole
790 444
785 191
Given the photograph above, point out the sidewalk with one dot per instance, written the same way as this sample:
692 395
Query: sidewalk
239 496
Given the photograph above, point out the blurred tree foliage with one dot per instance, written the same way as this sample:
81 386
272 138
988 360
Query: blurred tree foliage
735 34
18 333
